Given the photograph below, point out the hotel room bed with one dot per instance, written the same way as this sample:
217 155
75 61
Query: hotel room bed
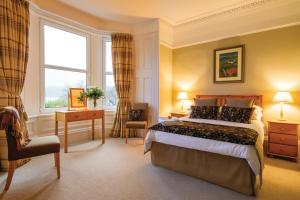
235 166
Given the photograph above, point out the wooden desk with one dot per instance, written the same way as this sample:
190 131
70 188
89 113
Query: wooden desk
73 116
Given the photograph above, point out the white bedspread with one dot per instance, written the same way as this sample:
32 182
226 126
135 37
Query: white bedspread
247 152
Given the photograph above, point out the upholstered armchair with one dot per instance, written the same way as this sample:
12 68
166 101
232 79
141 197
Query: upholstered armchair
9 120
138 119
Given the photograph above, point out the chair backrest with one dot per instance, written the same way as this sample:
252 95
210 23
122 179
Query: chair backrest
5 117
142 106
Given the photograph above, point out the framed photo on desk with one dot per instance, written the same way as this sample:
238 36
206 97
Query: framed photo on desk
74 101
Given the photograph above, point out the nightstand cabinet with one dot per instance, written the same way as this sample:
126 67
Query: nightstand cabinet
178 114
283 139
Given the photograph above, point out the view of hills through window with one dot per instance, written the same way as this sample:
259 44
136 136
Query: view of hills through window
65 63
65 66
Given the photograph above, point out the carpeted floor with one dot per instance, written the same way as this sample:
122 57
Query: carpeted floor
118 171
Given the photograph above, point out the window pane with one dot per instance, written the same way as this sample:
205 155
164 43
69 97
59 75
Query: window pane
110 91
108 58
57 84
63 48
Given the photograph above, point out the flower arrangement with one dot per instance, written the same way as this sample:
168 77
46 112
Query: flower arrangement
92 93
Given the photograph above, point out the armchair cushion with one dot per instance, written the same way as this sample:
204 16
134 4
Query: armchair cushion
40 146
136 124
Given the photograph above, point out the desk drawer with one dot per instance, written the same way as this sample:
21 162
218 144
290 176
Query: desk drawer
77 116
95 114
285 150
283 139
283 128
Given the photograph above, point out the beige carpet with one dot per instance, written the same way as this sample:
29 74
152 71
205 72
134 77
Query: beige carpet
118 171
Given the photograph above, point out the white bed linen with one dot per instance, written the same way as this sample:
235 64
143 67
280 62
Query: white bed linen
247 152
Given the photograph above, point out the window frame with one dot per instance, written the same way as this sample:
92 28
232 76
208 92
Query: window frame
43 66
104 72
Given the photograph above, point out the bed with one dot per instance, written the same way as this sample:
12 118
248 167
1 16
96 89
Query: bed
235 166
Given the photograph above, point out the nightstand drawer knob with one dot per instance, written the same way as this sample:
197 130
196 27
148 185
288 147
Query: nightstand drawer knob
282 139
281 150
282 129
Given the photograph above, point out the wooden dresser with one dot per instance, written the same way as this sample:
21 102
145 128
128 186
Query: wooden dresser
283 139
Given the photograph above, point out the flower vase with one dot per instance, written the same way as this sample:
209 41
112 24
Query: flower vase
95 103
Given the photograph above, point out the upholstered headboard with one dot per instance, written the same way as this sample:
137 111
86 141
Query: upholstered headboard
221 98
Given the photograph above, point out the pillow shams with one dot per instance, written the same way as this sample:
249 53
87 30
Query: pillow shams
236 114
204 112
205 102
242 103
257 113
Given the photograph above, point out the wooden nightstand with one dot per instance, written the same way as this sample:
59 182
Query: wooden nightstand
178 114
283 139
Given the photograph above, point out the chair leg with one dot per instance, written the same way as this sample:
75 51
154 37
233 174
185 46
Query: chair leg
126 134
11 170
57 163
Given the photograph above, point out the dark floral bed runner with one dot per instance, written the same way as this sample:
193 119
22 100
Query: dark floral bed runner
237 135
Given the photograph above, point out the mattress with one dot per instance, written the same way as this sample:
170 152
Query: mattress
247 152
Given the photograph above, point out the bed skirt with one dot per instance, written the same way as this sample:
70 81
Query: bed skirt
230 172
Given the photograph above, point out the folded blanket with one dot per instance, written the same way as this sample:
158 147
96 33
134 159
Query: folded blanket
10 121
237 135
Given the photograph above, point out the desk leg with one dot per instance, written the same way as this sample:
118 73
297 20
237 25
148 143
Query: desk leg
103 130
56 127
93 129
66 137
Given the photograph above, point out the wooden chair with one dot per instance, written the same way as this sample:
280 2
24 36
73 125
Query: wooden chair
36 147
142 123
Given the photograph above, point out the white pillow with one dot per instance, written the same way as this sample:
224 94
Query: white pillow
257 113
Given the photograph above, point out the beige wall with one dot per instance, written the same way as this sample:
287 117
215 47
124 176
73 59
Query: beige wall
69 12
165 80
272 62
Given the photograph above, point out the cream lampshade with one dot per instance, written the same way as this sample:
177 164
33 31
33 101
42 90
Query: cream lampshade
282 97
182 96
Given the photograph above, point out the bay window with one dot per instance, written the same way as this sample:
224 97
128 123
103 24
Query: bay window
109 84
64 64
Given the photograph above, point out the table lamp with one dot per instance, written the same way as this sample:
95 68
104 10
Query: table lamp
282 97
182 96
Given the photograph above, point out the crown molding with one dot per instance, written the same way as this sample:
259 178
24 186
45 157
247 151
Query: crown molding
259 16
166 44
232 9
230 36
47 15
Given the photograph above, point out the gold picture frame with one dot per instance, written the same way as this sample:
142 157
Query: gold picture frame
74 102
229 64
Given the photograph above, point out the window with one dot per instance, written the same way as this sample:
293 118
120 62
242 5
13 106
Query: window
110 91
64 65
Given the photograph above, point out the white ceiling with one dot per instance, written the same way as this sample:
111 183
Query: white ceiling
201 20
174 12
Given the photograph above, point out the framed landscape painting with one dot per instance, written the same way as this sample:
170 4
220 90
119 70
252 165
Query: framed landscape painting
229 64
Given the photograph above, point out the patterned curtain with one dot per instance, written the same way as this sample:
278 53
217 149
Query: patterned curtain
14 26
123 74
